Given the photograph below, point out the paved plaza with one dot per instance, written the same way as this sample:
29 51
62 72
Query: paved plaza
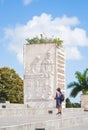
80 127
70 119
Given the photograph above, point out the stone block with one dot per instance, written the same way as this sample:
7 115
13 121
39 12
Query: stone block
44 71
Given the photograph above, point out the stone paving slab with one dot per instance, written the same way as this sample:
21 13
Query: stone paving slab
5 112
9 121
47 121
80 127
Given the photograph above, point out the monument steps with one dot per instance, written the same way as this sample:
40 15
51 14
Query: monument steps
46 120
5 112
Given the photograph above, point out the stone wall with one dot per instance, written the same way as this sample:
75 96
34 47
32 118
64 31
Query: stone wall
12 105
84 101
44 71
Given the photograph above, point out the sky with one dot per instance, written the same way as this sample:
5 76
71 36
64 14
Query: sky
64 19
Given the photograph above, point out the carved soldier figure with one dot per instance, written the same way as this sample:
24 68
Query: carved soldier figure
47 65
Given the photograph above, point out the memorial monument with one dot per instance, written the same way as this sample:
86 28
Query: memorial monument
44 71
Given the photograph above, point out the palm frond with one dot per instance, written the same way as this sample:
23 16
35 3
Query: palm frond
85 74
73 84
81 84
75 91
79 76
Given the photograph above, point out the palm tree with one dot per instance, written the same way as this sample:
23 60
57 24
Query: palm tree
81 85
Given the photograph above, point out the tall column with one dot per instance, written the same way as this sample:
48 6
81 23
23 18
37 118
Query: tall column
44 71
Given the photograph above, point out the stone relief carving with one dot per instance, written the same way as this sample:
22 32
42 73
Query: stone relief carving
47 68
35 65
47 65
42 70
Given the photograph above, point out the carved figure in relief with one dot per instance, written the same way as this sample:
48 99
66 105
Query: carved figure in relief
35 65
47 65
47 71
29 88
38 88
42 85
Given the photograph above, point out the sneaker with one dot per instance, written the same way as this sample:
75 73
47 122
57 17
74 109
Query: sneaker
58 113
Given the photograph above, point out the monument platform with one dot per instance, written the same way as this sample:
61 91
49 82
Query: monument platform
42 119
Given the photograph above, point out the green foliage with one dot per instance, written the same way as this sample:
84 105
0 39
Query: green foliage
72 105
81 85
37 40
76 105
68 103
11 86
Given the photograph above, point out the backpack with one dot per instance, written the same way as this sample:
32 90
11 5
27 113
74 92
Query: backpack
62 97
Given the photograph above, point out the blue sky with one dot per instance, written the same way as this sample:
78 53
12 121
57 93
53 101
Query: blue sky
66 19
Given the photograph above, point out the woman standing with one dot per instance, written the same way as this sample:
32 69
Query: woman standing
58 100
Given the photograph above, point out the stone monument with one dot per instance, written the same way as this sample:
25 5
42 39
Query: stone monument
44 71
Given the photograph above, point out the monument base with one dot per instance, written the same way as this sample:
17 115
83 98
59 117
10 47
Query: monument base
41 103
84 101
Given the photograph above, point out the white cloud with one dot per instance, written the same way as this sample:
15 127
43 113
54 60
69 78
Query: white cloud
26 2
66 28
73 53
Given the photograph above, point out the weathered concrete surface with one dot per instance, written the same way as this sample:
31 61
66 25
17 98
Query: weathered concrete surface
73 118
5 112
80 127
12 105
84 101
44 71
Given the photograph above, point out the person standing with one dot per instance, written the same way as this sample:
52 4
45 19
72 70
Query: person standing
58 101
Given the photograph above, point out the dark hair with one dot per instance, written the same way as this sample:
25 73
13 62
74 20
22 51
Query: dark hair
58 89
